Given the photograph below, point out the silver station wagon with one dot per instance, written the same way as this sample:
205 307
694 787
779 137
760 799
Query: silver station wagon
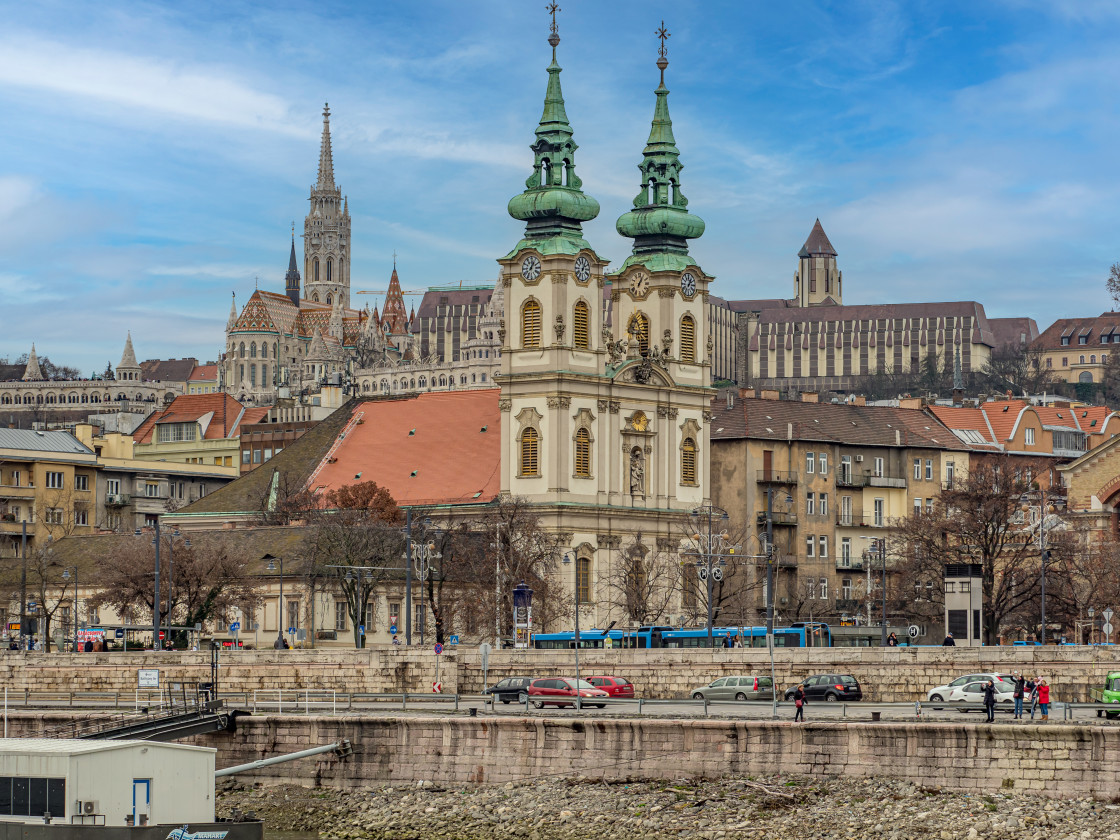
735 688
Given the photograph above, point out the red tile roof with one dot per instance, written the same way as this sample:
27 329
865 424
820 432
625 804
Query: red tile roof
227 414
967 424
1107 323
428 449
204 373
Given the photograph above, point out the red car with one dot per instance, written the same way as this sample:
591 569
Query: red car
614 686
557 691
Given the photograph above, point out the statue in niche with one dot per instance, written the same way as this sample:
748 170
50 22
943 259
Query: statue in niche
637 471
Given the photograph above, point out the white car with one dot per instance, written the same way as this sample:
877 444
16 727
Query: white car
973 692
942 692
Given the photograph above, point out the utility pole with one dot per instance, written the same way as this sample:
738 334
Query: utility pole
23 590
156 599
408 577
770 598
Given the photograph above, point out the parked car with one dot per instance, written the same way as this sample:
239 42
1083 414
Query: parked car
1110 694
509 689
735 688
829 687
973 692
614 686
562 691
942 692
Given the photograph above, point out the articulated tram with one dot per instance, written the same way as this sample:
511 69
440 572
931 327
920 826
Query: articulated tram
798 634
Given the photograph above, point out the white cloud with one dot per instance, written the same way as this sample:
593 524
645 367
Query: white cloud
194 92
221 271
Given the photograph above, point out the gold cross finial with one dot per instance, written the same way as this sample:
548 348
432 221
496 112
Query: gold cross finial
552 10
394 258
662 33
293 230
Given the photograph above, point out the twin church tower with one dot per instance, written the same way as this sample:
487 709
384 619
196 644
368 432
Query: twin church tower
605 419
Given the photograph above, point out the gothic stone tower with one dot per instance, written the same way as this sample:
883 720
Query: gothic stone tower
326 232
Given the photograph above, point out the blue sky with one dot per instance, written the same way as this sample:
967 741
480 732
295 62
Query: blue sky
154 155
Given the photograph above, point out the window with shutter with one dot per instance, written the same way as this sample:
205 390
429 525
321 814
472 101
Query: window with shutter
583 454
531 324
583 580
688 340
529 444
581 337
688 461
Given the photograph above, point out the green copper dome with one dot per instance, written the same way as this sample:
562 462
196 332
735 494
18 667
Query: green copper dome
553 205
660 222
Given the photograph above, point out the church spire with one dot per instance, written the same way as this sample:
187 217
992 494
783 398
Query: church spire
553 206
32 373
660 222
232 322
128 357
291 278
326 164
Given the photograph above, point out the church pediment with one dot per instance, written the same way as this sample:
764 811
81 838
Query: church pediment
644 372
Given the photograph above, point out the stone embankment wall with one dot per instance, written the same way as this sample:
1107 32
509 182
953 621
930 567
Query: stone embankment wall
891 674
1054 759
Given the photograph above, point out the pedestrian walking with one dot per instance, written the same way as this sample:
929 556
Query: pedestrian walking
949 641
1032 694
1020 688
799 704
1044 699
990 700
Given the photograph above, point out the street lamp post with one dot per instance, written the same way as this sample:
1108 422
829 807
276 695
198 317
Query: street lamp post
712 548
157 600
877 547
568 560
1044 555
66 576
171 574
279 644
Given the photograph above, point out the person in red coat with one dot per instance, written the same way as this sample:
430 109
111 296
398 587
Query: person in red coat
1044 698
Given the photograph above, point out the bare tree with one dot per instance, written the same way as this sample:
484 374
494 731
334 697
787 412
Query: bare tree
978 520
357 540
642 583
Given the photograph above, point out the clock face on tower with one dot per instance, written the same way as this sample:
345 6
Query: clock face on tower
639 284
688 284
583 269
531 268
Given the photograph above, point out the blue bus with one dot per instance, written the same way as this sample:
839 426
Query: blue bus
799 634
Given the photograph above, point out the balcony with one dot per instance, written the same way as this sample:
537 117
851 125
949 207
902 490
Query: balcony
858 519
23 491
778 517
776 477
117 500
852 564
866 478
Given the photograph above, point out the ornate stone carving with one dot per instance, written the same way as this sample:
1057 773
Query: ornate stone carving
565 402
616 350
615 295
553 402
662 411
601 405
559 277
608 540
665 543
615 405
666 293
711 348
559 327
673 412
637 472
707 417
505 404
649 449
667 342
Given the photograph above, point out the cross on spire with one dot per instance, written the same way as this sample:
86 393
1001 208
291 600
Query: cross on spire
553 8
662 61
394 258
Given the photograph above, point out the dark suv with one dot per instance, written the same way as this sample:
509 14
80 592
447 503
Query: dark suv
509 689
829 687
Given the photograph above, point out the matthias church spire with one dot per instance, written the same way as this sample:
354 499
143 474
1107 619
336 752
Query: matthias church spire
660 222
291 278
326 164
553 205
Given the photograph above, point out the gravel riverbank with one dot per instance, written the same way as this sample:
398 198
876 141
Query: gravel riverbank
763 808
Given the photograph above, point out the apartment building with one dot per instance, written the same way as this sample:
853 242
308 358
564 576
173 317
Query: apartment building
828 479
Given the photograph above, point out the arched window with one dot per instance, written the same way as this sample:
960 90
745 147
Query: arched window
583 453
531 324
688 461
1085 377
253 374
241 373
315 270
530 442
581 317
1082 360
423 382
315 296
1093 359
583 580
638 330
252 349
264 375
330 272
242 350
330 298
463 379
688 340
